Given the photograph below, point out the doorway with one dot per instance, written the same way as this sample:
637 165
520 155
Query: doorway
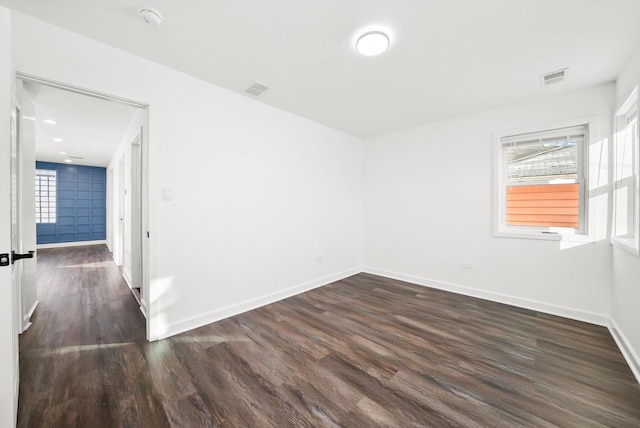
123 184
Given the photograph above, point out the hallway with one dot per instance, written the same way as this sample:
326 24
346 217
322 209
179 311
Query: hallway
82 358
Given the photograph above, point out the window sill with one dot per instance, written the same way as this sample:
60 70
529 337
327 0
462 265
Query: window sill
630 245
540 236
568 237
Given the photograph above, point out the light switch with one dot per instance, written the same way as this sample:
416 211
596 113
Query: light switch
167 194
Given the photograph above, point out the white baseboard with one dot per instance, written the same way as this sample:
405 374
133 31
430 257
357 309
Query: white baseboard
16 395
143 309
26 323
627 350
70 244
116 261
548 308
125 275
229 311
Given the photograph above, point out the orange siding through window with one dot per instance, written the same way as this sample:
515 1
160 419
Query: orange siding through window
552 205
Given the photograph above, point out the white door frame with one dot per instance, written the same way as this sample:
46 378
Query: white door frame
109 205
136 210
16 212
144 259
121 204
27 208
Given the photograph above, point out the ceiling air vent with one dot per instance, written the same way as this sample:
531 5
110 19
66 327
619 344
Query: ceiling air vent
553 77
257 88
76 157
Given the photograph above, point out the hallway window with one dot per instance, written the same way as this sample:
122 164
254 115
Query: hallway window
45 196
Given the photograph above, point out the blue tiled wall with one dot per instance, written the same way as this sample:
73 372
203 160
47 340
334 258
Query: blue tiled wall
81 204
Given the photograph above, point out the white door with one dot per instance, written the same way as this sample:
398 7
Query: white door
16 250
16 272
23 234
26 158
9 298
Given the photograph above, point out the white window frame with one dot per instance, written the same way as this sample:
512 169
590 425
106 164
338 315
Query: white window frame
39 172
629 109
500 228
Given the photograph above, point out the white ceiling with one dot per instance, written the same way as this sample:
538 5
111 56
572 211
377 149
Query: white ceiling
447 57
90 128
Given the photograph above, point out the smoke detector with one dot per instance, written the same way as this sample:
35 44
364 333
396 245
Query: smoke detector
151 16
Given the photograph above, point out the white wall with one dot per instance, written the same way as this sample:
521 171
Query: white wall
259 193
626 267
428 207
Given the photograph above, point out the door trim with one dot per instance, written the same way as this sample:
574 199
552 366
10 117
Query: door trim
79 90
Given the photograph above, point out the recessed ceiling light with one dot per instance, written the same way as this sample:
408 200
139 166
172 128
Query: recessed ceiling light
372 43
50 121
58 140
29 117
68 160
62 153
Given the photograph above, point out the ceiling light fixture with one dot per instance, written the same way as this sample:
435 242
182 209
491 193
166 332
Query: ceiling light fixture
372 43
50 121
29 117
151 16
62 153
58 140
68 160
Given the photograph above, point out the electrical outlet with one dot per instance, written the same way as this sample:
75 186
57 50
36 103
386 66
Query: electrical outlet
466 265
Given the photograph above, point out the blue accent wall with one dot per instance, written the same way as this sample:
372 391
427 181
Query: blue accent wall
81 204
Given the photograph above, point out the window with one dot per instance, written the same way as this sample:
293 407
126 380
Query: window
45 196
541 183
626 198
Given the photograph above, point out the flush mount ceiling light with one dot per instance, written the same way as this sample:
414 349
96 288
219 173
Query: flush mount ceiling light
372 43
151 16
68 161
58 140
50 121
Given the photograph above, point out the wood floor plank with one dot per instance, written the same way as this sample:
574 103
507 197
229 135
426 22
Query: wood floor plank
364 351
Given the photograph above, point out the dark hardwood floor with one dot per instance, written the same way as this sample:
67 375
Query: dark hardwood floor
365 351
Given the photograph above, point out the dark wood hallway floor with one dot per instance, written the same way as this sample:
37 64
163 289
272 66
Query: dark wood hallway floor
365 351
